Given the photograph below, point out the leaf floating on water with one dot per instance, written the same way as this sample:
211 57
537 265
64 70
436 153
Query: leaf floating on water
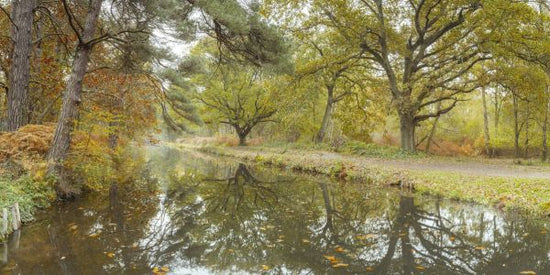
330 258
110 254
364 237
420 268
528 272
265 267
479 247
339 249
340 265
160 271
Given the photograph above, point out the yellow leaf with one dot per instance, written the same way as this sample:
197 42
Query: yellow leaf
452 238
110 254
479 247
364 237
164 269
339 249
73 227
420 268
330 258
265 267
340 265
305 241
93 235
528 272
369 269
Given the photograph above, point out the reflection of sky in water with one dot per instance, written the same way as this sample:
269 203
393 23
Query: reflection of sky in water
215 216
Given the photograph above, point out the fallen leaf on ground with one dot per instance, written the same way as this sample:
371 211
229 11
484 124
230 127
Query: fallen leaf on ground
265 267
110 254
339 249
340 265
528 272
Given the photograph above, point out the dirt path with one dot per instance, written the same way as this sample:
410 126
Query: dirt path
466 166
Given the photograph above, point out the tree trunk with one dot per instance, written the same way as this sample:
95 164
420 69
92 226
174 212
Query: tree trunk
526 145
487 139
497 111
327 116
18 91
434 128
407 128
516 126
242 140
545 127
71 101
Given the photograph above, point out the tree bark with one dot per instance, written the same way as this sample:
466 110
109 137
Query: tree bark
545 126
486 136
526 144
432 132
516 126
242 140
320 136
18 91
407 127
71 101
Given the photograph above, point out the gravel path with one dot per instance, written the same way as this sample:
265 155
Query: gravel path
467 166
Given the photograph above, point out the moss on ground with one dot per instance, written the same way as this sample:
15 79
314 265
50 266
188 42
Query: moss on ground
524 194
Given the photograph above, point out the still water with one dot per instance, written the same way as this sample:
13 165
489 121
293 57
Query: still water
217 216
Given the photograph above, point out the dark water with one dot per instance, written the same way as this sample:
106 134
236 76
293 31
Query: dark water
216 216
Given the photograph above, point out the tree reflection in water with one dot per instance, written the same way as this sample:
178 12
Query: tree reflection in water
219 217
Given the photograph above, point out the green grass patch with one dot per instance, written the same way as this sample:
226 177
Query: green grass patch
31 194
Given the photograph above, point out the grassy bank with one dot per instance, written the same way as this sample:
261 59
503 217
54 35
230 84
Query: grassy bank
29 192
531 195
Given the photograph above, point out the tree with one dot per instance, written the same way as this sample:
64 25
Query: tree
72 98
246 35
237 98
334 67
425 48
19 81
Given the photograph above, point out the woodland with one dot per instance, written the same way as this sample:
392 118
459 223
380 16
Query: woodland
84 84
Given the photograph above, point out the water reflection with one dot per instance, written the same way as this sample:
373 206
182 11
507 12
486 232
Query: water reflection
216 216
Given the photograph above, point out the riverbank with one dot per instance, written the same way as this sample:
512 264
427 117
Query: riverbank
497 183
